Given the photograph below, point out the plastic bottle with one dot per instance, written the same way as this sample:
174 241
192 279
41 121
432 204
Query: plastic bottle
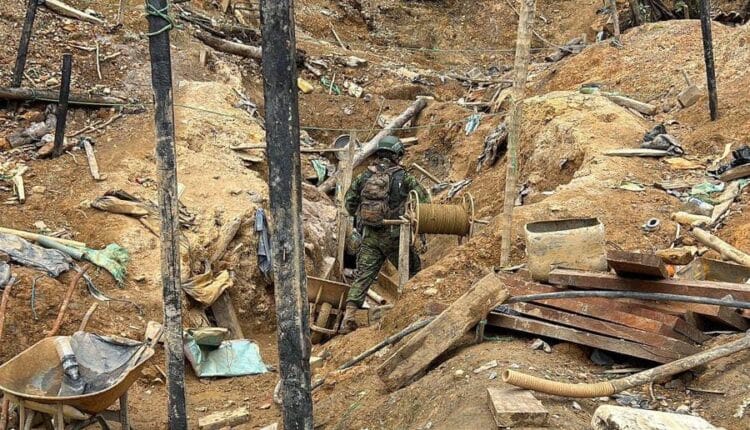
72 384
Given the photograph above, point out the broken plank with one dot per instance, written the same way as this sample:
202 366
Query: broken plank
226 316
637 265
721 314
605 343
91 158
673 319
224 419
603 309
664 343
513 407
738 172
594 280
413 359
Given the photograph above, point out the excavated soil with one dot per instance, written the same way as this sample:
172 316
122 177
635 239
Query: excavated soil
561 160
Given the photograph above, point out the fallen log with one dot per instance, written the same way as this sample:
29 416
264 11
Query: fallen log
33 94
727 251
644 108
240 49
369 148
413 359
63 9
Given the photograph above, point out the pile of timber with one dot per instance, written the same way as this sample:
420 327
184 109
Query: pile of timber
659 331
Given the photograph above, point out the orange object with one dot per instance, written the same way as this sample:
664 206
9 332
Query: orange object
671 270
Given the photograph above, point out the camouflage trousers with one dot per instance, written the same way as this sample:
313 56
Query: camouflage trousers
377 246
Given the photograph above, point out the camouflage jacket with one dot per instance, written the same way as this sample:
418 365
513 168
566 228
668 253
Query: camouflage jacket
399 192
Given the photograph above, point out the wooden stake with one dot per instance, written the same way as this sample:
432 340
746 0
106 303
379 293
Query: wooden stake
98 64
404 240
615 19
23 45
62 105
53 96
708 53
285 180
91 158
120 12
161 79
523 52
343 187
635 8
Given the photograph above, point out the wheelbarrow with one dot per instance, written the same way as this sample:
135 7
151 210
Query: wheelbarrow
108 366
323 295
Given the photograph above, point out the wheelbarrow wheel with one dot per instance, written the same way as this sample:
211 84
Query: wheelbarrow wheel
321 321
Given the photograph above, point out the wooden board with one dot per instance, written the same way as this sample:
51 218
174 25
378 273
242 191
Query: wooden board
647 309
666 345
226 316
330 291
224 419
568 334
736 173
413 359
637 265
513 407
686 287
606 310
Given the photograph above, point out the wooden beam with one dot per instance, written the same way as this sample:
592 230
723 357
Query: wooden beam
344 220
520 71
23 44
285 190
637 264
605 343
166 163
226 315
53 96
413 359
62 105
606 281
708 55
666 345
513 408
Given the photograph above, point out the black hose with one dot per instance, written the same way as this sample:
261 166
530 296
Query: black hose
630 295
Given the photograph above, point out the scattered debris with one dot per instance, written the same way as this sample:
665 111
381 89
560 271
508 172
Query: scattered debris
486 366
206 288
51 261
690 95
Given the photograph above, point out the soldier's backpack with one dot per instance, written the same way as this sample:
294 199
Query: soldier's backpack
375 196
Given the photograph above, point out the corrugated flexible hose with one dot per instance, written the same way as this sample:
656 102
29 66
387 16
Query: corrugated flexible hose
608 388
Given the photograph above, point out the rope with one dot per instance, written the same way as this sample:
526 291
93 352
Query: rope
442 219
163 14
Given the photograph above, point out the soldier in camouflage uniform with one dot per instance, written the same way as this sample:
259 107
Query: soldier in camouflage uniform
379 193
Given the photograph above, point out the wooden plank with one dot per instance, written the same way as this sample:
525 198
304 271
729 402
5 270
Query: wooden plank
605 343
603 309
513 407
606 281
637 265
673 319
226 316
224 419
666 344
412 359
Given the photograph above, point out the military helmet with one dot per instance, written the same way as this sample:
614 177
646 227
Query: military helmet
391 144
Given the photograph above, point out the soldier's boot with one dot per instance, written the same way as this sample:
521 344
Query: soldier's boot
349 323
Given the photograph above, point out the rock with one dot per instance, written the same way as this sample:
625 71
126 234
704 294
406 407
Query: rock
486 366
458 374
316 362
683 409
38 189
201 409
41 226
493 375
577 406
608 417
430 292
274 426
678 256
265 406
539 344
